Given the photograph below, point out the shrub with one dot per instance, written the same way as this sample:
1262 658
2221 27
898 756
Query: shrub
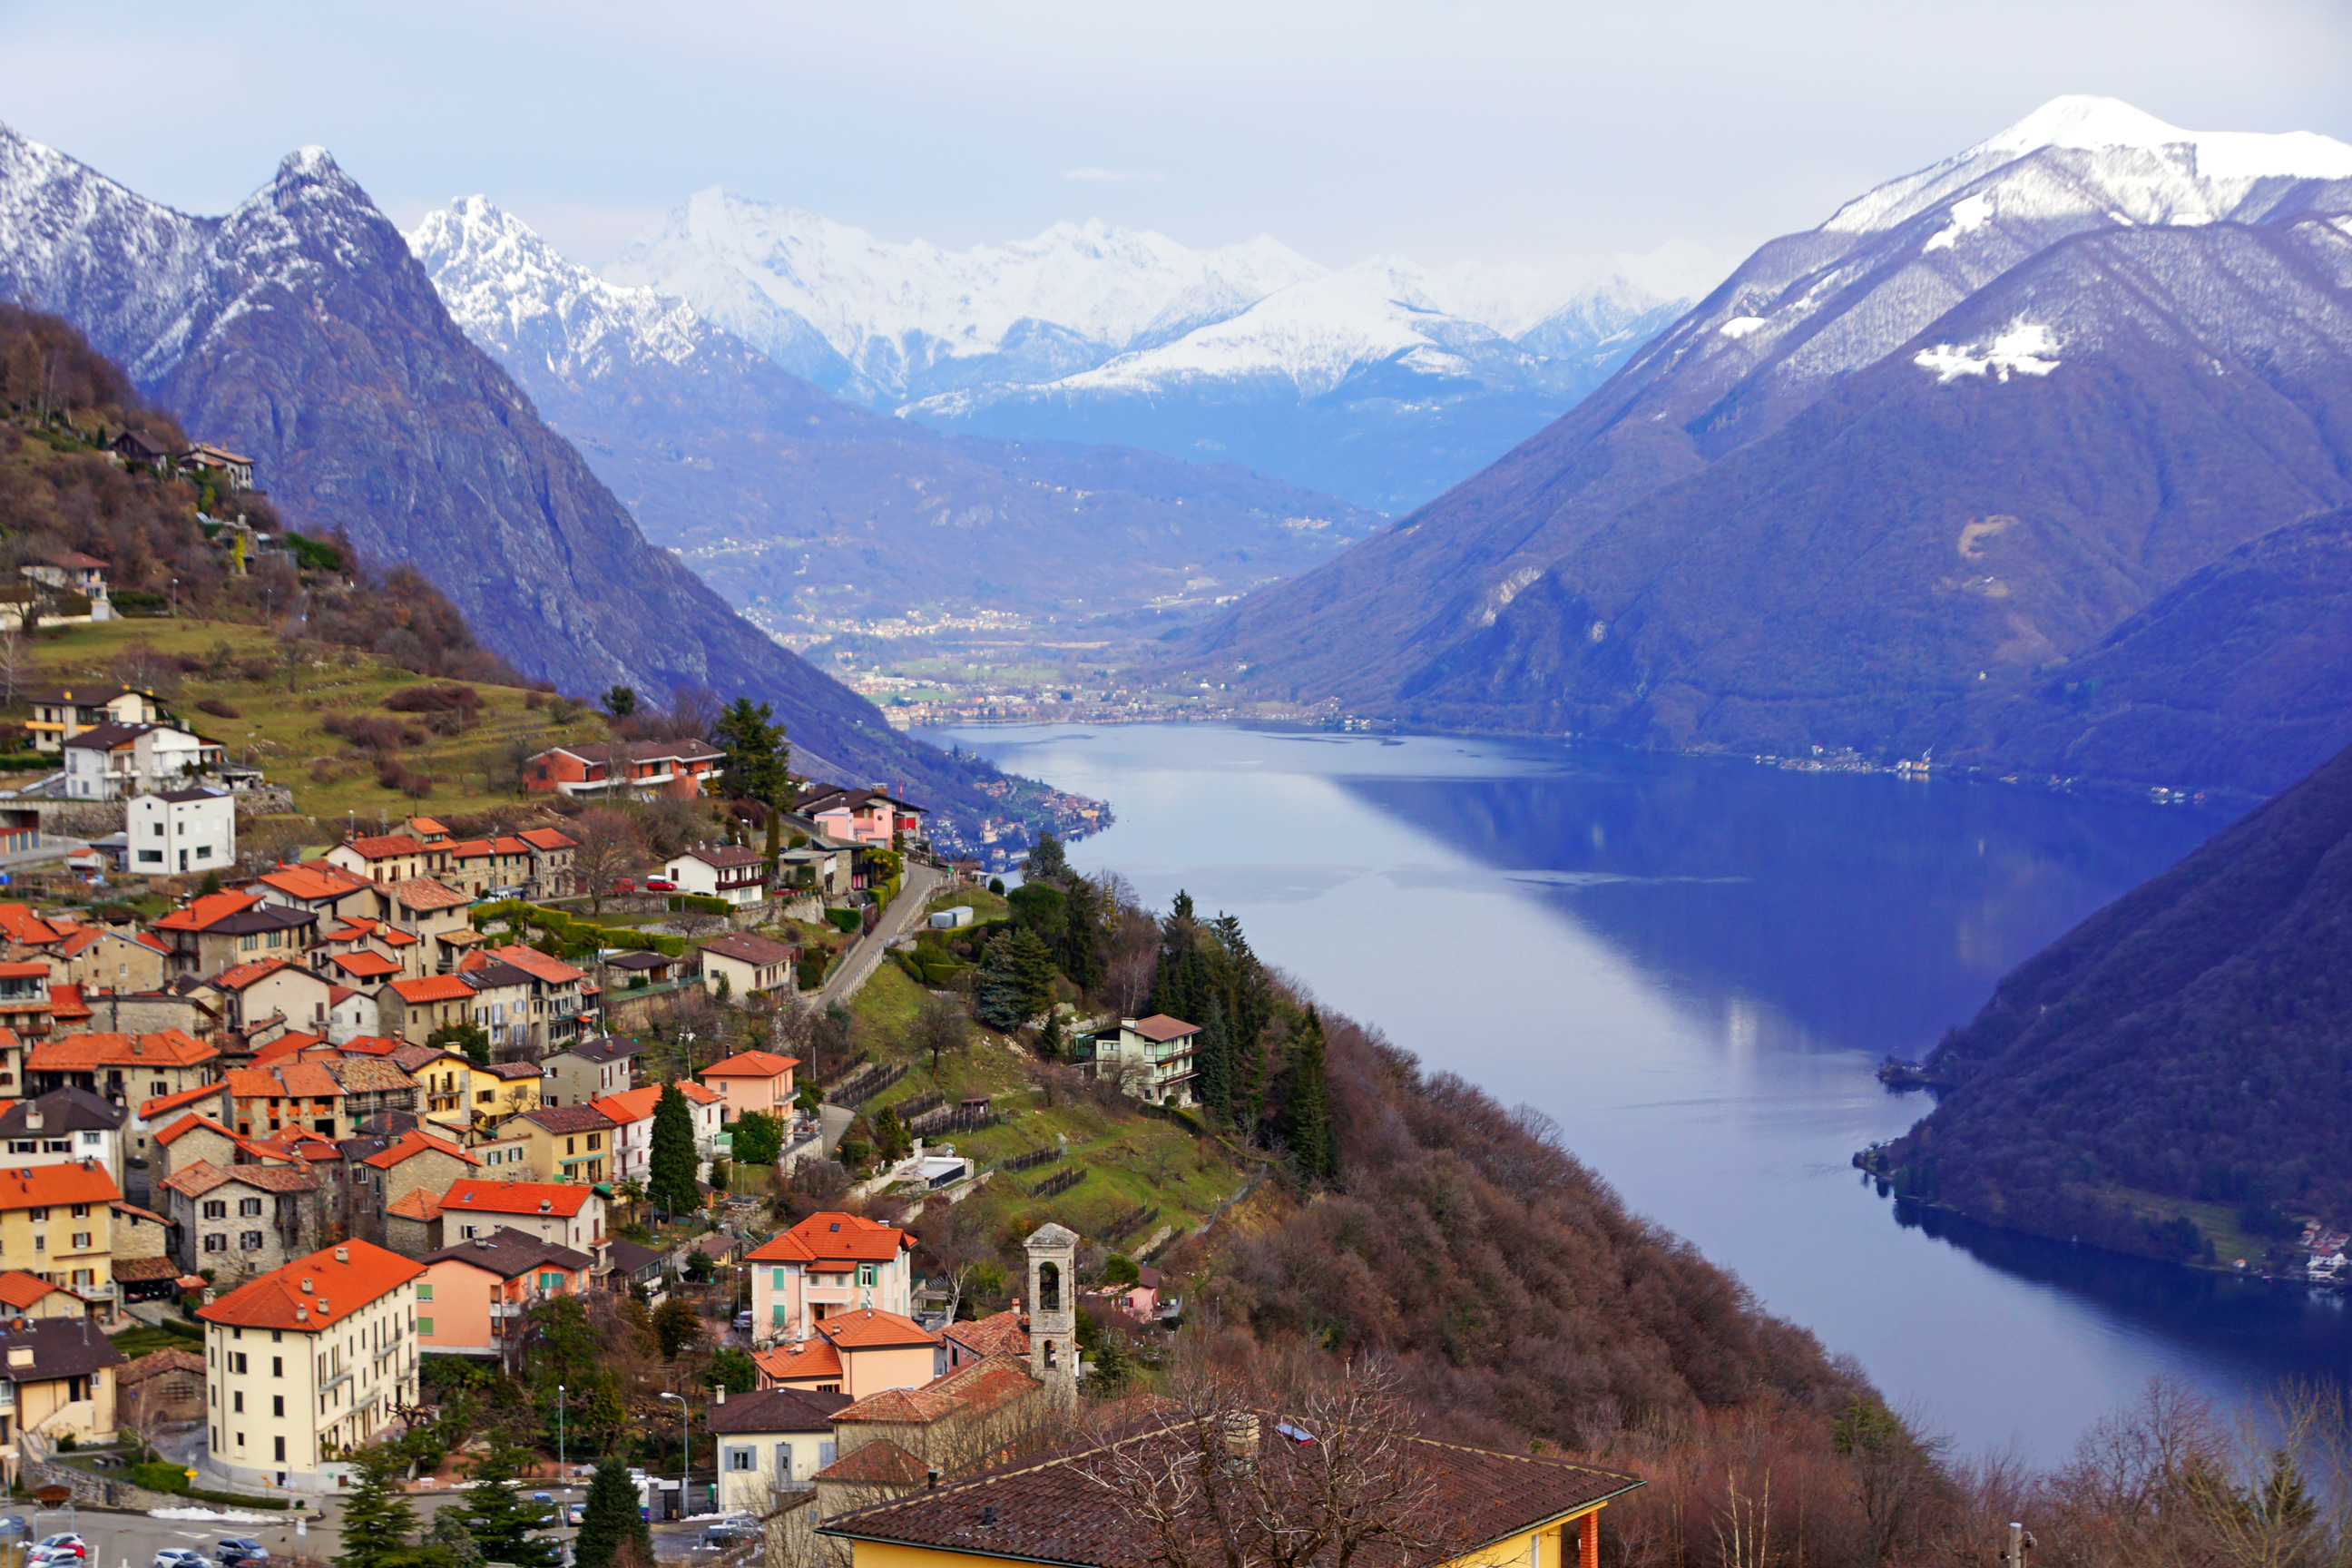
698 903
312 555
370 734
845 920
443 697
809 973
218 708
393 773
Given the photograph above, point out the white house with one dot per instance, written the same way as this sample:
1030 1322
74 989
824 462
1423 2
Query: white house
65 1124
632 1111
183 830
113 760
351 1015
738 875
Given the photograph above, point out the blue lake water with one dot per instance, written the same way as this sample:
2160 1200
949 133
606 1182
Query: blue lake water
1696 966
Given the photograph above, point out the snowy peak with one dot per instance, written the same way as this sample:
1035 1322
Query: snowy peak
2090 125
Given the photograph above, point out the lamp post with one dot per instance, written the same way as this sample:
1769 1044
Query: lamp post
563 1471
685 1452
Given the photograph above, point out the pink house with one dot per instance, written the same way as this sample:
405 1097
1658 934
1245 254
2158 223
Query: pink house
753 1080
473 1297
860 815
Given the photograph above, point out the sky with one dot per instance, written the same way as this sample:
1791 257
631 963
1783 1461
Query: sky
1491 131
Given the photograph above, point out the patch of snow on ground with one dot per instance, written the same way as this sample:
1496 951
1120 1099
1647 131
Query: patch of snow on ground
1968 214
217 1515
2028 348
1740 326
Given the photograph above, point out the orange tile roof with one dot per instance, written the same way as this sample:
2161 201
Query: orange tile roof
73 943
425 894
548 838
66 1003
338 1290
914 1406
188 1123
1000 1333
537 965
410 1145
327 881
372 1045
871 1328
86 1053
288 1080
426 825
243 975
433 988
834 1238
630 1104
18 924
811 1358
35 969
164 1104
880 1463
203 912
751 1063
365 966
49 1186
20 1290
385 845
415 1203
565 1198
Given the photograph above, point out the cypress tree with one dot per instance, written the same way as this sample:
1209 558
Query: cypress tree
499 1518
775 839
998 993
669 1180
610 1517
1212 1058
377 1516
1307 1118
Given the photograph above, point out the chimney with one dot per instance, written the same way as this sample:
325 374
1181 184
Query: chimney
305 1284
930 1481
301 1313
1241 1436
33 1117
719 1394
342 1255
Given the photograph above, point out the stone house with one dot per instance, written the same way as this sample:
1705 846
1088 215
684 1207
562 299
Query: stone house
241 1221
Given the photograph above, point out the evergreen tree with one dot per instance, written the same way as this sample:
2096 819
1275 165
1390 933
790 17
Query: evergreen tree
671 1164
1081 951
1033 961
377 1516
1212 1060
677 1326
759 1138
759 760
500 1518
447 1544
775 839
610 1517
997 992
733 1371
1047 862
620 702
1307 1116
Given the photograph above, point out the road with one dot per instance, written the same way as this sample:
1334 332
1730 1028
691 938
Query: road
905 913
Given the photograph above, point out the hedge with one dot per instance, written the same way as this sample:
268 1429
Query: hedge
698 903
810 971
845 920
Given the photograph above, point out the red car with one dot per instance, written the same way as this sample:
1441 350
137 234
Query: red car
660 885
624 884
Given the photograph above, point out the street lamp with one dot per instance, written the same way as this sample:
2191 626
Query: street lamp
563 1471
685 1452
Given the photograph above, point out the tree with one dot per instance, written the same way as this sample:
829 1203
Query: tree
1306 1117
500 1518
758 758
759 1138
16 664
377 1516
1015 980
608 851
1212 1061
447 1544
892 1142
620 702
1047 862
609 1519
677 1326
670 1167
733 1371
469 1040
775 840
942 1026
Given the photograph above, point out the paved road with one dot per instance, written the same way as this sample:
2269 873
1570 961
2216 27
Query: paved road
904 915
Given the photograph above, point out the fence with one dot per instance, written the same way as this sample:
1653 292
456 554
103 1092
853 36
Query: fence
916 1104
1053 1185
865 1084
1034 1158
1127 1223
965 1118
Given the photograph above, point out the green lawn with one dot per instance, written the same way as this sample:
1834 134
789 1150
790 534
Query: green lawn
144 1338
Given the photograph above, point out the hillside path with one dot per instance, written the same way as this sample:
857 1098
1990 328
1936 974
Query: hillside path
905 913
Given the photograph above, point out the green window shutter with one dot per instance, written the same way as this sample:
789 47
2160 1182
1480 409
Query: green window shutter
776 1278
423 1293
424 1325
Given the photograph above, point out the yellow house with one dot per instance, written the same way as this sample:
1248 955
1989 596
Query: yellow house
57 1375
567 1142
56 1224
1466 1507
503 1089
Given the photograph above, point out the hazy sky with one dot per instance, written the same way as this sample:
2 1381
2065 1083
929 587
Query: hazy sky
1439 131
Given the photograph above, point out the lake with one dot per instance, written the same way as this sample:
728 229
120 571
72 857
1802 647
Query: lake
1695 966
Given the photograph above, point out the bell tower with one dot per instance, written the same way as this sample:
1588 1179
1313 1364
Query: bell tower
1052 1311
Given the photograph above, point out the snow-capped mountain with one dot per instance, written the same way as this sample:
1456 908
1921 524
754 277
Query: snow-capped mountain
796 505
1947 439
1382 382
299 328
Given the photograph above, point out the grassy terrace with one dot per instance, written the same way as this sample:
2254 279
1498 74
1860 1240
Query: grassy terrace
278 713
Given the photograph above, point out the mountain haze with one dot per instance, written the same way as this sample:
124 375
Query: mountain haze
803 508
1380 383
1948 440
301 331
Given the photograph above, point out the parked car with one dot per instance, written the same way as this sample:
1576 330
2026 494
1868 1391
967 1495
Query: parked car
14 1524
742 1322
180 1557
238 1549
624 884
575 1514
660 885
67 1541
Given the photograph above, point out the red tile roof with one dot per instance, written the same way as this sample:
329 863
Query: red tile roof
49 1186
871 1328
410 1145
66 1003
189 1123
338 1288
304 882
201 914
1159 1028
239 977
879 1463
424 893
164 1104
565 1198
20 1290
751 1063
415 1203
1000 1333
787 1364
87 1053
833 1237
19 924
433 988
365 966
385 845
549 838
537 965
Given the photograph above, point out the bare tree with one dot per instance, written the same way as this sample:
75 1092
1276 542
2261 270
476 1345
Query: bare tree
16 664
942 1026
1220 1477
608 851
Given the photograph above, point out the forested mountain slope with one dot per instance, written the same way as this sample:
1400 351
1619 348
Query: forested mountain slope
2185 1043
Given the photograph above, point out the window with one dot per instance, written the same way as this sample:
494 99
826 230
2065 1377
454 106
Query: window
425 1327
40 1244
866 1274
216 1208
280 1442
150 857
276 1363
236 1364
81 1211
249 1241
81 1241
278 1407
159 1086
249 1208
424 1290
742 1460
237 1404
204 852
39 1216
215 1242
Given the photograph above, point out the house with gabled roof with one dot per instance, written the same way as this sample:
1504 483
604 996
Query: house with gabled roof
277 985
59 1217
587 1069
869 816
553 1211
61 1125
122 1070
631 1111
562 999
216 930
828 1264
754 1080
475 1298
568 1142
735 874
308 1359
324 888
414 1009
116 761
103 958
385 857
553 851
747 963
243 1219
60 1376
860 1353
769 1441
476 866
59 714
638 768
1149 1058
414 1160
